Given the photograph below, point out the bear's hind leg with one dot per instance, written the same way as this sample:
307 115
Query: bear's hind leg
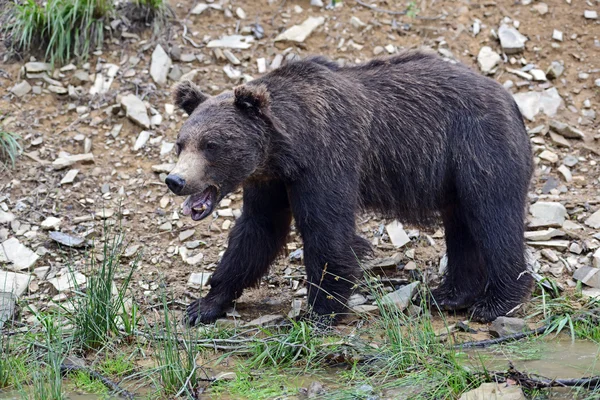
465 277
498 229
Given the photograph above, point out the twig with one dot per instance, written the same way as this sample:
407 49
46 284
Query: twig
184 36
509 338
65 368
381 10
534 381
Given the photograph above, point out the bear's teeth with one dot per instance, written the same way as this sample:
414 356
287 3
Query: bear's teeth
200 208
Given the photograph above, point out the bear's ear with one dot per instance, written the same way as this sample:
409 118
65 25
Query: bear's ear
252 98
188 96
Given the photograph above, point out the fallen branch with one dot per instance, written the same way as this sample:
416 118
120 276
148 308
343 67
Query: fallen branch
509 338
66 368
534 381
405 12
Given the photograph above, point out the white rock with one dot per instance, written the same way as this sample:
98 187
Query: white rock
511 40
487 59
6 217
356 22
299 33
543 235
200 8
590 14
262 65
141 141
397 235
538 75
494 391
163 168
594 220
596 259
401 297
549 156
13 282
103 82
68 281
531 103
36 67
231 57
232 42
552 214
317 3
199 278
557 35
232 73
588 275
161 64
51 223
566 173
18 256
136 110
166 148
559 244
21 89
66 161
241 14
193 260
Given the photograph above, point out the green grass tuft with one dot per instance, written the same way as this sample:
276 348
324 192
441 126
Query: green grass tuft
10 148
66 29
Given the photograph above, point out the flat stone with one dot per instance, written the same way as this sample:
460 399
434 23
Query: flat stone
555 70
504 326
51 223
199 278
397 235
596 258
105 213
494 391
592 293
130 251
511 40
13 282
68 281
67 161
262 65
104 80
588 275
299 33
365 309
385 263
200 8
550 255
66 239
17 256
541 8
135 110
548 155
141 140
163 168
566 130
80 77
590 14
37 67
232 73
594 220
488 59
58 89
552 214
559 139
543 235
265 320
69 176
185 235
538 75
356 299
191 260
160 66
21 89
531 103
557 35
566 173
559 244
6 217
8 307
401 298
232 42
231 57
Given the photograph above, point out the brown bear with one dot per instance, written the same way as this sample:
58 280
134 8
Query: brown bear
411 136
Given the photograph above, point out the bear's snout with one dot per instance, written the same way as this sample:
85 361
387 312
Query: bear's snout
175 183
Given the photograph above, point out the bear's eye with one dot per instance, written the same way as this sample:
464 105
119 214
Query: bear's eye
210 146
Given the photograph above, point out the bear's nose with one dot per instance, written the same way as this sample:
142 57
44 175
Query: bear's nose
175 183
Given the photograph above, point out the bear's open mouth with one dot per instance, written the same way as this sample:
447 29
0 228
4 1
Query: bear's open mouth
200 205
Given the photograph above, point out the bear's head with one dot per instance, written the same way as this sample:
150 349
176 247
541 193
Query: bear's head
223 142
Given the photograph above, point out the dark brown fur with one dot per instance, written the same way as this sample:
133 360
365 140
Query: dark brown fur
411 137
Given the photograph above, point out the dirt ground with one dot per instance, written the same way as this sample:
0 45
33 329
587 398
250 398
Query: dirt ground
123 180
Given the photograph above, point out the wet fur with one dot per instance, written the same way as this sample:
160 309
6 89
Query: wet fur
411 137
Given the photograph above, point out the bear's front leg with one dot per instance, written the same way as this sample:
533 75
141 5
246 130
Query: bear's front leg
254 242
331 247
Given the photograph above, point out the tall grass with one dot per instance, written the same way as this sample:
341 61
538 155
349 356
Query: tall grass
10 148
64 28
101 312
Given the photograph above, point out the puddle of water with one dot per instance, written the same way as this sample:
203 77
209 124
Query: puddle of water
557 358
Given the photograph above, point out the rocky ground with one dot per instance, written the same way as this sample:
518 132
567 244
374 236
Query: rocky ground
98 139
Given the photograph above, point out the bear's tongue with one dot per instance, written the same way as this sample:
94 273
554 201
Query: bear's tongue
200 205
